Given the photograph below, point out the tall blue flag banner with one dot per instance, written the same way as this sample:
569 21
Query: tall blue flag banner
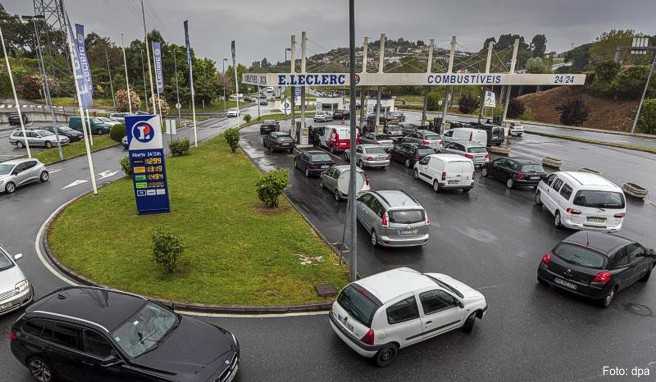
189 61
146 153
84 65
83 86
157 59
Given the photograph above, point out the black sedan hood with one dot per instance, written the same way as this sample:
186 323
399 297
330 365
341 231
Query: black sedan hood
193 351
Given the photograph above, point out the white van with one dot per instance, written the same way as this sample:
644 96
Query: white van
581 200
444 171
466 135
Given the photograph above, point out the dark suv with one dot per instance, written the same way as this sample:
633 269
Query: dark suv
278 141
95 334
269 126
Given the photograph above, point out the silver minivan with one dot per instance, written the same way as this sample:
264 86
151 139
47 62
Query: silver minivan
393 218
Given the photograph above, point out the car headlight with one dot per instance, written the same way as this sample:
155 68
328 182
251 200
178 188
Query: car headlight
22 286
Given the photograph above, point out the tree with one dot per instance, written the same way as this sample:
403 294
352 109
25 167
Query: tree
516 108
605 48
30 86
232 137
579 57
604 75
573 112
647 121
539 45
537 65
630 83
468 104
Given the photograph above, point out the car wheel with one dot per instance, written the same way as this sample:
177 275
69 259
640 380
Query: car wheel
510 183
307 172
469 323
484 172
645 278
10 188
45 176
606 301
20 144
538 201
415 174
374 239
407 163
337 196
40 369
386 355
557 222
466 190
48 144
436 186
360 164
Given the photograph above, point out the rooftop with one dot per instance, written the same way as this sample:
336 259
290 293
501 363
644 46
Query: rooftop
598 241
391 284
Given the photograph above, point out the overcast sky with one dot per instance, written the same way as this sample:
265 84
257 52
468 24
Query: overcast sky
262 28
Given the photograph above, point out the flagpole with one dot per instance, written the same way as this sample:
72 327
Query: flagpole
190 63
234 67
150 71
127 83
89 127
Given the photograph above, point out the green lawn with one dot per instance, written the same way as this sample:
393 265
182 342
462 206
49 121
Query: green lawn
236 252
74 149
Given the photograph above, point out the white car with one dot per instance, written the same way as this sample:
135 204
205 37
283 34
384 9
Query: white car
380 314
19 172
582 200
15 290
444 171
322 116
515 129
232 113
477 153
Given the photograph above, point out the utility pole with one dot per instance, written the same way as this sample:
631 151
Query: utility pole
150 70
127 82
225 85
303 67
234 67
192 90
429 67
13 89
352 210
292 69
488 62
447 93
111 83
381 64
513 63
363 90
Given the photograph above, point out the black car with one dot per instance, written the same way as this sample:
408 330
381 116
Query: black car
72 135
278 141
341 114
268 126
312 162
596 265
14 120
410 153
515 171
408 128
95 334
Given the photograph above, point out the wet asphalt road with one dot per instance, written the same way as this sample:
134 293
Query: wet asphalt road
491 238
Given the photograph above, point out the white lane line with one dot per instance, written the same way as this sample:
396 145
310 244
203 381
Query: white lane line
106 174
37 245
75 183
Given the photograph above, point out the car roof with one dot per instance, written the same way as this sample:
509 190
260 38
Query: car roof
588 180
599 241
17 161
450 157
103 307
391 284
397 198
524 160
424 131
370 145
315 152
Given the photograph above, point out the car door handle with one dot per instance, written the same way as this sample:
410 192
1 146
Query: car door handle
429 322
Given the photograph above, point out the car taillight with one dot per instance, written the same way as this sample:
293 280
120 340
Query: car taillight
12 336
368 337
602 277
546 259
573 211
428 221
385 220
425 142
417 157
487 157
468 155
443 175
620 215
366 180
370 158
519 176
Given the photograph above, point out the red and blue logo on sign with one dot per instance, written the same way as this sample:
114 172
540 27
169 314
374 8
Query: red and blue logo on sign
143 132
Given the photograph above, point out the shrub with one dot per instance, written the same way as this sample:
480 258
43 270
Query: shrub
434 100
232 137
247 118
468 104
122 100
117 132
515 108
573 112
179 146
125 165
270 186
630 83
167 249
647 121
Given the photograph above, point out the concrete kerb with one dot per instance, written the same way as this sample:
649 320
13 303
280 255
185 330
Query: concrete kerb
626 146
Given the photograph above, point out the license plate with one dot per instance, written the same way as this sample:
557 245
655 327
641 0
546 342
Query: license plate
564 283
284 144
409 232
535 178
596 219
454 182
324 166
4 307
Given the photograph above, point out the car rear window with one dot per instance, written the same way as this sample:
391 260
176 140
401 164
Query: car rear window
432 137
320 158
578 255
476 149
423 152
599 199
359 303
375 150
406 216
532 168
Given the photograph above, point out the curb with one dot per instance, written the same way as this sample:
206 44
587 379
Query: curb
586 129
625 146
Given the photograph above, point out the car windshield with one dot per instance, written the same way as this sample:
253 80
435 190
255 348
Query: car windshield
282 137
578 255
406 216
143 331
532 168
381 136
5 263
375 150
5 168
320 158
599 199
432 137
358 304
476 149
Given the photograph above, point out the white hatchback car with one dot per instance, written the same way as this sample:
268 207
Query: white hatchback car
15 290
380 314
582 200
232 113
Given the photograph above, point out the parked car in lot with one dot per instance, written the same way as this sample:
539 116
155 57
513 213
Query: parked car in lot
395 117
410 153
446 171
582 200
336 138
393 218
393 131
336 179
368 155
97 125
312 162
426 138
515 129
495 134
466 135
322 116
341 114
515 171
95 334
409 128
232 113
377 139
15 121
378 315
15 290
41 138
72 135
478 154
263 102
19 172
278 141
268 126
596 265
118 117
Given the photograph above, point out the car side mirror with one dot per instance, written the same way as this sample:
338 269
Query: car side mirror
18 256
111 360
651 253
460 304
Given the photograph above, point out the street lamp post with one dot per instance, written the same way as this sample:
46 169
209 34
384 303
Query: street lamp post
352 211
225 84
641 46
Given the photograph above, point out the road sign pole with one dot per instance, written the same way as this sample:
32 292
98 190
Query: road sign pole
150 70
352 211
513 63
293 89
234 67
303 44
381 65
447 93
488 62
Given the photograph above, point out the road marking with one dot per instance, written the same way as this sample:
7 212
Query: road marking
76 183
106 174
37 245
54 170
